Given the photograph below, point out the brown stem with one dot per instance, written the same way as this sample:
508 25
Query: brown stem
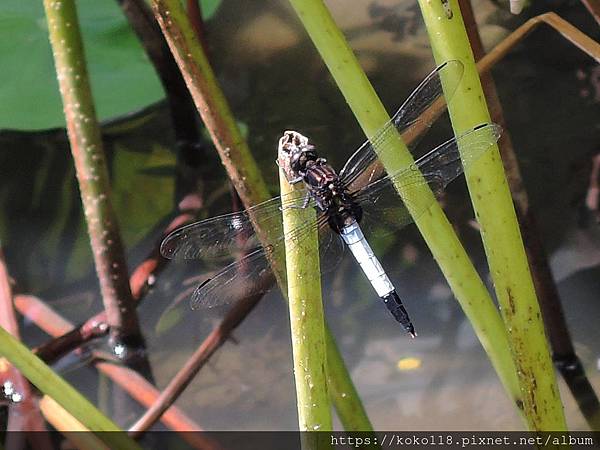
200 357
90 165
547 292
8 321
58 347
592 198
195 16
568 31
135 385
593 6
23 413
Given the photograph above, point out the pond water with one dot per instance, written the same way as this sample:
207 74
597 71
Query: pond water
275 80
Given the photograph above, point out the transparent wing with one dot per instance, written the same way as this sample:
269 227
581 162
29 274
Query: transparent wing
226 234
415 116
252 274
331 249
437 169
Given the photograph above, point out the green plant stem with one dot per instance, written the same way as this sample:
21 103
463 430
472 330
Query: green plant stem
234 152
342 392
499 230
62 392
24 415
306 316
90 165
433 225
563 352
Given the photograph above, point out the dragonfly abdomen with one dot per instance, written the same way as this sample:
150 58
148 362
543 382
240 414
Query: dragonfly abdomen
342 210
370 265
360 248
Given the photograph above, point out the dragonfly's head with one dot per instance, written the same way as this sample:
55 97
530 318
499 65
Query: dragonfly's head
293 153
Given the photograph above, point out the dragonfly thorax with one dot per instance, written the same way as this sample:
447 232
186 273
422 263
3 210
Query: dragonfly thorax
331 195
301 161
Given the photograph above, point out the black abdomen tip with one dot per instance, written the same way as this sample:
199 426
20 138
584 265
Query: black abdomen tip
395 306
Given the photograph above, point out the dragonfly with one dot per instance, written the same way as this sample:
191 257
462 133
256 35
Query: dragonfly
362 195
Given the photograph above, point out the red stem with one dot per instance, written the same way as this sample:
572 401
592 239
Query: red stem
200 357
23 415
593 6
133 383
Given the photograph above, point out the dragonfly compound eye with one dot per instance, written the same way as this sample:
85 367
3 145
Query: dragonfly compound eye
292 153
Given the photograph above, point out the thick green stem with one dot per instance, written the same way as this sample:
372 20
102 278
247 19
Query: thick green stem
92 174
499 230
433 225
233 151
306 316
62 392
342 392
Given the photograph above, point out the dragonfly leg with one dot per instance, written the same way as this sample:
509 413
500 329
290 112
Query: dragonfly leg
304 204
298 179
